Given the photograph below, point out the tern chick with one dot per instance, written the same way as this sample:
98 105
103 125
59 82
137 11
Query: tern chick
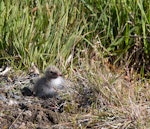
50 84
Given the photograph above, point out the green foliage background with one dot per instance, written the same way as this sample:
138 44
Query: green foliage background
49 31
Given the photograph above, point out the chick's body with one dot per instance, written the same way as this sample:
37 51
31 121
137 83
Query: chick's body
50 84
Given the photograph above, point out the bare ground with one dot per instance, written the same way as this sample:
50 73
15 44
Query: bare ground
19 109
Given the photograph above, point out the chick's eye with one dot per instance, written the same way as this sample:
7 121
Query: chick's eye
52 72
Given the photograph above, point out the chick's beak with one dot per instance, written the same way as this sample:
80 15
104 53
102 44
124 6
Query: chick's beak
59 74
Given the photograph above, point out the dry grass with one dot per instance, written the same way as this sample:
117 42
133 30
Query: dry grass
110 100
100 98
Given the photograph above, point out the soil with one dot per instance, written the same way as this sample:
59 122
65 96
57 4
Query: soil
19 109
